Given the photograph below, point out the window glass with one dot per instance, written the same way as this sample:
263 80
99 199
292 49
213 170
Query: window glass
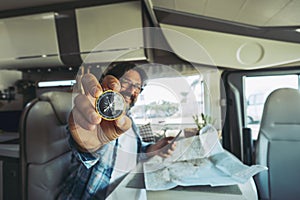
257 90
251 100
169 103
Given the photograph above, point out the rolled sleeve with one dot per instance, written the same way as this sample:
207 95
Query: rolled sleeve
89 159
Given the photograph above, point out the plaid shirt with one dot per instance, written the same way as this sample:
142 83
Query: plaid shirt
92 178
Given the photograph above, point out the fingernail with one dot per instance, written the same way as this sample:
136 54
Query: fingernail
94 90
115 86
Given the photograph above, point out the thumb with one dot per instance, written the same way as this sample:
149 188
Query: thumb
123 123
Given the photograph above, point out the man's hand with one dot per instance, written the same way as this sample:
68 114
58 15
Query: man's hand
164 147
88 129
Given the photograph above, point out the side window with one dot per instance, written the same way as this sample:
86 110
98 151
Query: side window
257 89
169 103
260 98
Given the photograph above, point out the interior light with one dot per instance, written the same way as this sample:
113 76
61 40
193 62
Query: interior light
298 30
56 83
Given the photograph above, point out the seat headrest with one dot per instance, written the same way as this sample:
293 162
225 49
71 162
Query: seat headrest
61 103
281 113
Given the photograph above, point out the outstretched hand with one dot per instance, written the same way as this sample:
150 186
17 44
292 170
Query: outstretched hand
88 129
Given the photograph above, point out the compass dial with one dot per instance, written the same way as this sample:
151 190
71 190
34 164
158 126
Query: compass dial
110 105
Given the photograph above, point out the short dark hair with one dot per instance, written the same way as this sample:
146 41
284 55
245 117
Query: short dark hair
119 69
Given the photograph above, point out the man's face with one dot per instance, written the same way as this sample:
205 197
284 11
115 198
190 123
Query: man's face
131 87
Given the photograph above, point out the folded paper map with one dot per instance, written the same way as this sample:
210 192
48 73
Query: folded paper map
198 160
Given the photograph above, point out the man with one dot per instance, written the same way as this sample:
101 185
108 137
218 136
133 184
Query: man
107 150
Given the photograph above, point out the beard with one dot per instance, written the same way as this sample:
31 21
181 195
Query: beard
129 96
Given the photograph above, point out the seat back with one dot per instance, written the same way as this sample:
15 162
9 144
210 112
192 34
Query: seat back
278 146
45 155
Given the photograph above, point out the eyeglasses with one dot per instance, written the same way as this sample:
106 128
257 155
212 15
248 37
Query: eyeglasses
127 83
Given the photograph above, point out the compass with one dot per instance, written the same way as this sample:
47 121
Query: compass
110 105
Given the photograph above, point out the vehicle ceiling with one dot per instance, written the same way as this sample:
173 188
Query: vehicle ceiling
252 12
241 17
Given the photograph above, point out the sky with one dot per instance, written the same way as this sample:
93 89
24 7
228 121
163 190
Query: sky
266 84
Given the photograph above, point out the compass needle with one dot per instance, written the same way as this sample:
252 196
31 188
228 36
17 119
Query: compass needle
110 105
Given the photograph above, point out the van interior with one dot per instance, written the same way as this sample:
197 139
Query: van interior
236 62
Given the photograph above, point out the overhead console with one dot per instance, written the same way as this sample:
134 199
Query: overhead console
99 33
102 31
29 41
111 32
